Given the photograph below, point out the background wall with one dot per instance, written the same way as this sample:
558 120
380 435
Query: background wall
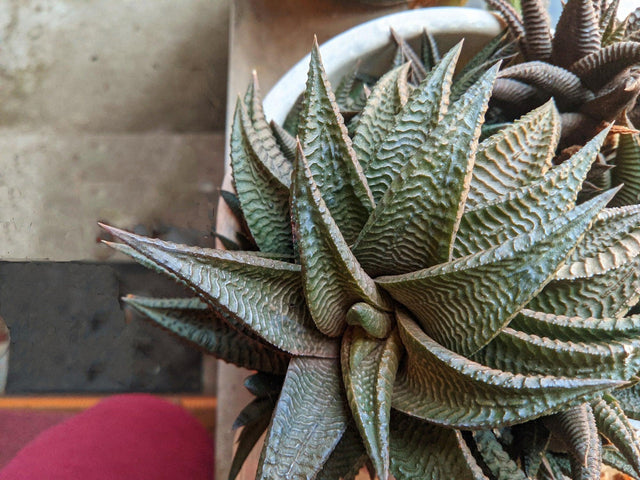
110 110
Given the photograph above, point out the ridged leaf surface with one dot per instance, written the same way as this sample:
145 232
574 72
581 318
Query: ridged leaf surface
582 296
331 157
415 222
515 156
629 400
424 108
576 427
612 457
333 278
445 388
263 197
423 450
387 97
525 210
627 170
611 226
496 458
519 352
266 295
531 440
614 425
369 369
465 303
196 322
261 136
499 48
347 459
575 329
309 421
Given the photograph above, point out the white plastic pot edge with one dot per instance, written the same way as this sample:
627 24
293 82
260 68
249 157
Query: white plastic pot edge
341 52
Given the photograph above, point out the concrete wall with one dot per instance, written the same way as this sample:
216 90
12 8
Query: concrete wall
110 110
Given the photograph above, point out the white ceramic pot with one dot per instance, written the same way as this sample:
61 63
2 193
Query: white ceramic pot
370 43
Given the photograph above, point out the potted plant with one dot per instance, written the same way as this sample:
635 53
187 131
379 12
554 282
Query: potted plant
419 300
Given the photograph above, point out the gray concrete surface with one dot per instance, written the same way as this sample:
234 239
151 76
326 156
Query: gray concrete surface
113 65
109 110
54 187
69 334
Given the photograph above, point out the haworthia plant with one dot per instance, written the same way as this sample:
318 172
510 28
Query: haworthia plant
423 302
590 65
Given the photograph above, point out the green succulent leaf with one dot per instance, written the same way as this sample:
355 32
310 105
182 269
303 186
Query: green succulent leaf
553 467
406 54
621 249
263 294
285 140
496 458
309 421
369 369
347 459
247 440
608 21
424 109
415 229
264 198
497 49
578 286
612 457
261 137
626 171
231 199
532 440
445 388
429 50
576 428
254 411
345 87
519 352
333 278
491 224
611 227
423 450
516 156
614 425
331 158
194 321
465 303
263 384
629 400
375 322
576 329
388 96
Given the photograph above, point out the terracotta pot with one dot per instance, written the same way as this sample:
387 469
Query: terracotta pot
370 43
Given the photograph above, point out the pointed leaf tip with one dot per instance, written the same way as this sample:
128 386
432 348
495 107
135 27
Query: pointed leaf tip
262 294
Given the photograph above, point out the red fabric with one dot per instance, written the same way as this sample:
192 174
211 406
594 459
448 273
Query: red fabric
19 427
134 436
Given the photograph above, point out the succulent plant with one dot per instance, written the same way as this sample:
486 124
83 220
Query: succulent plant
420 301
591 67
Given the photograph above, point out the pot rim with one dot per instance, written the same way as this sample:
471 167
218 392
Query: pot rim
373 35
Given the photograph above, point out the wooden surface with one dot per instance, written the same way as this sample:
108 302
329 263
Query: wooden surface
200 406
